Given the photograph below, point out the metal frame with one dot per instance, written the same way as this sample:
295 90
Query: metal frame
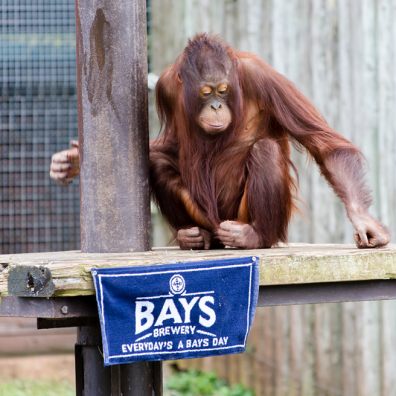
145 378
332 292
71 310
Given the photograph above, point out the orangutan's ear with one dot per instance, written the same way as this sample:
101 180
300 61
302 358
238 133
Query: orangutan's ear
179 79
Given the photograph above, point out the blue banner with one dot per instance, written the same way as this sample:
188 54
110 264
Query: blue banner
176 311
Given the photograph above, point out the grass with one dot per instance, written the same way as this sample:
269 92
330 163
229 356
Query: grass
36 388
198 383
185 383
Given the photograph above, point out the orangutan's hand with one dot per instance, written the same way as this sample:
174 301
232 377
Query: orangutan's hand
193 238
238 235
65 165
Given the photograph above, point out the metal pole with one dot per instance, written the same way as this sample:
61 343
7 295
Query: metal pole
92 378
113 135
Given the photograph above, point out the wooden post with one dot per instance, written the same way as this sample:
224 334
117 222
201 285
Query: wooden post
113 125
113 135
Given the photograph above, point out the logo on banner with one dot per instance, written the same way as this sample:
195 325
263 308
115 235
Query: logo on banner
177 284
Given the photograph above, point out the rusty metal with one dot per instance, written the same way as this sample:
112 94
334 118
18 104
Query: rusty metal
92 378
30 281
50 308
46 323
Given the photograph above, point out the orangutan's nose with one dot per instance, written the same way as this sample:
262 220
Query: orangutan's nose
215 105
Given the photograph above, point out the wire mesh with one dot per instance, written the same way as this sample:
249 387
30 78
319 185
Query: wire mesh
38 116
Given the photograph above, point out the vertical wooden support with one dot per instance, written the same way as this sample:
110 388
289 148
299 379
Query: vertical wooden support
113 125
113 135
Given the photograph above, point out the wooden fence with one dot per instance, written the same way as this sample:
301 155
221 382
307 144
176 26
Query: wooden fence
341 54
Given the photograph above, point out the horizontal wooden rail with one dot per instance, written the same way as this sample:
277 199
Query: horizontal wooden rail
66 274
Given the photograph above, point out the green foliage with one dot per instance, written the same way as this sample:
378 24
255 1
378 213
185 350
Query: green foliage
196 383
36 388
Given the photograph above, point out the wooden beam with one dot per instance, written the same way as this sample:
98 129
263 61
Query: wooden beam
295 264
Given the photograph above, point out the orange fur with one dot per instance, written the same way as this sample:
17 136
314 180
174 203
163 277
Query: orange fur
244 173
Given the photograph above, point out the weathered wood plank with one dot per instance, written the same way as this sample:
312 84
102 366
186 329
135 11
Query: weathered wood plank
388 342
296 356
281 351
348 382
294 264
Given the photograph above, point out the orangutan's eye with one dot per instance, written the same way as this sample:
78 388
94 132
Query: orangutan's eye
222 89
205 91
